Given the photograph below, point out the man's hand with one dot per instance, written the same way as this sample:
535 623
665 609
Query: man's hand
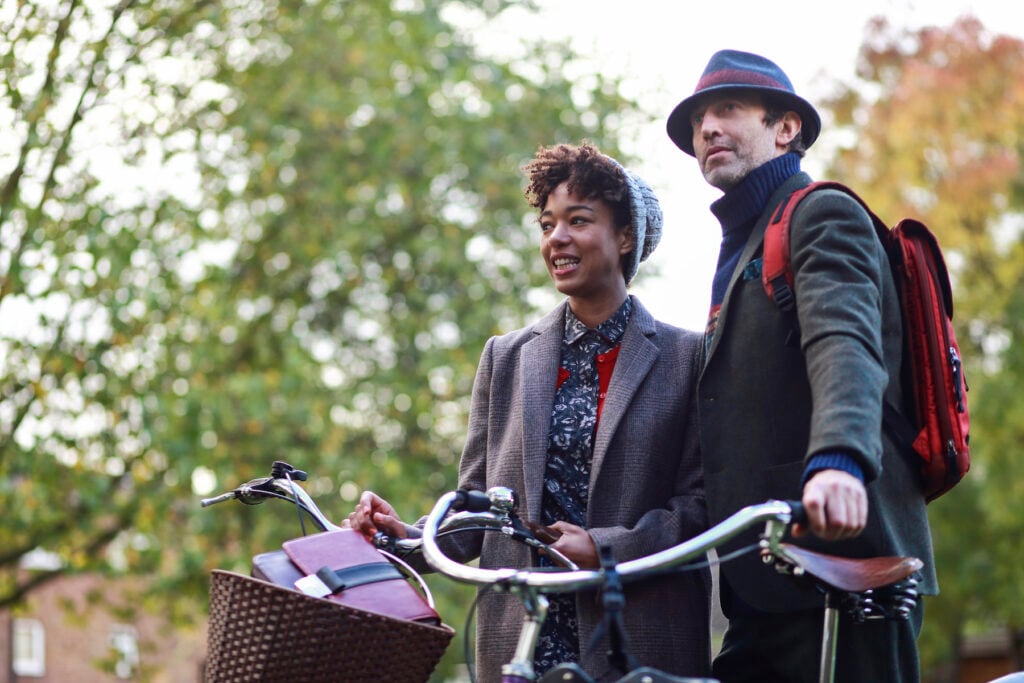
373 514
576 544
837 505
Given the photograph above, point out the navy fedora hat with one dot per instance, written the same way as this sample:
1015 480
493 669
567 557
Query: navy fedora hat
735 70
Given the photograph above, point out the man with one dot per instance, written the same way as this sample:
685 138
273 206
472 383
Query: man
791 405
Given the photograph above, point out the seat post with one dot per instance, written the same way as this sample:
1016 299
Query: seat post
829 639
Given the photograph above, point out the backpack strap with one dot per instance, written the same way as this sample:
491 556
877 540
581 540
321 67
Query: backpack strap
777 267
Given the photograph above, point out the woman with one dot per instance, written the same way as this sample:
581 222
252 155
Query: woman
588 415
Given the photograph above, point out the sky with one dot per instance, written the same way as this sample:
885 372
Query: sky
662 47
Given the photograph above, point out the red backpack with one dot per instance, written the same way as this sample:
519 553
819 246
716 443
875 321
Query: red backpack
934 421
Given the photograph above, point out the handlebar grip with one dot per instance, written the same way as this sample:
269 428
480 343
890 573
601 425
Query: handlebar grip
207 502
797 512
472 501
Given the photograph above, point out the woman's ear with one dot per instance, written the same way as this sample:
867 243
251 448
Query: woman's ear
627 241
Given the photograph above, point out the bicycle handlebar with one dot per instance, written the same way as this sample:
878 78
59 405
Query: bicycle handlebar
281 484
471 501
776 514
798 514
493 510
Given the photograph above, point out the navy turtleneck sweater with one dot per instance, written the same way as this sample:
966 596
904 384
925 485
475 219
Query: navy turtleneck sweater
737 211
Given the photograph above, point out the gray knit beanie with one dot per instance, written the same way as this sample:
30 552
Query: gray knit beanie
645 221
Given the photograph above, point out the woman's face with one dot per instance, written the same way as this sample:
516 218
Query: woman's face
582 247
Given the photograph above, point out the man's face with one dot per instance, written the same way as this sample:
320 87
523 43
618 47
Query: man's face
730 138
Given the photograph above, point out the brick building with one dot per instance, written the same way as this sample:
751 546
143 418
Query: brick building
78 628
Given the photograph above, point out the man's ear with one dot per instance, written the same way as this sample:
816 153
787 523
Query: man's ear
789 127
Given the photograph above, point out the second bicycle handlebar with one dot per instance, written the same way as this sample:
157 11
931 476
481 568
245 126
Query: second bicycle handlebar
776 514
493 510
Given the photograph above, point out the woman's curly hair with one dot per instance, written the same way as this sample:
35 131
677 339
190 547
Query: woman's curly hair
588 172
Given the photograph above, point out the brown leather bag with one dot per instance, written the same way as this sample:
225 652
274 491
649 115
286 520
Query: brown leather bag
344 567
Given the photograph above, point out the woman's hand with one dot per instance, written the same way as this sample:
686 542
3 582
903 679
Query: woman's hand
576 544
372 514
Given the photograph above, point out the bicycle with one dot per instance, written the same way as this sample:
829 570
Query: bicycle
848 584
270 626
870 588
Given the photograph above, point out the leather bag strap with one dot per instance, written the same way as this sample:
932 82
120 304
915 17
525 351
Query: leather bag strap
357 575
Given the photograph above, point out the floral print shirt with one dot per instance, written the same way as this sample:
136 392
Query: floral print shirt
567 474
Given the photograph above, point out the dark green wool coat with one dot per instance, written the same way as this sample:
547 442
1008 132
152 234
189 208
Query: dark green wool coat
766 407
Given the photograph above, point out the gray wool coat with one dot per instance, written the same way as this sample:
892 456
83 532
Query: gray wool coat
767 406
646 488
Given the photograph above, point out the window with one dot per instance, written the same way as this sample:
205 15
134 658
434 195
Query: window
124 642
29 648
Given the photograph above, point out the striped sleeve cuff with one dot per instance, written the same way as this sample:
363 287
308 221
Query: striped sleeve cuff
831 461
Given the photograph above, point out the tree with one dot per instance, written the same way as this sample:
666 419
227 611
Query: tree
89 244
237 232
937 116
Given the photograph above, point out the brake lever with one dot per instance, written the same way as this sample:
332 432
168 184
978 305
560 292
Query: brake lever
542 537
544 534
243 493
383 541
251 491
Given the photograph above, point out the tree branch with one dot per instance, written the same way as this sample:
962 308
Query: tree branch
34 116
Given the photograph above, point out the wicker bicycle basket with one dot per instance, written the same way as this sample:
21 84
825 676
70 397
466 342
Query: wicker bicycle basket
262 632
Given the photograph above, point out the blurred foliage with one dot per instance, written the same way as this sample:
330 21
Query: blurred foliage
248 230
937 124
